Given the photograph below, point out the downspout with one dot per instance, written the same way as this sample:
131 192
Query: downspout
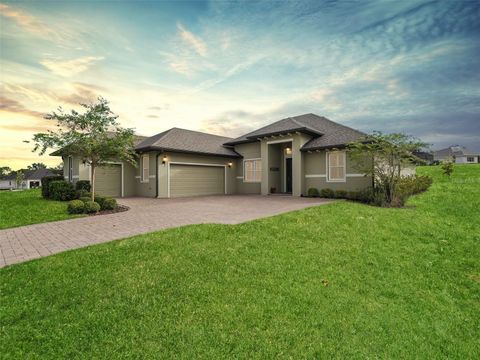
156 173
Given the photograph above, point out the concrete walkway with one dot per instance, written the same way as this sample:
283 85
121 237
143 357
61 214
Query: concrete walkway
145 215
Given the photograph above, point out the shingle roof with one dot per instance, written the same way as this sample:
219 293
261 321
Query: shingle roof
189 141
326 133
454 150
31 174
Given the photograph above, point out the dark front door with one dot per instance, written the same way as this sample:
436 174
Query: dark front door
288 175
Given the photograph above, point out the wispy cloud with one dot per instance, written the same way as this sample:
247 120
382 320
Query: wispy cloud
195 42
14 106
25 20
70 67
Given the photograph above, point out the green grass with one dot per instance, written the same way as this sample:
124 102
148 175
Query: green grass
18 208
343 280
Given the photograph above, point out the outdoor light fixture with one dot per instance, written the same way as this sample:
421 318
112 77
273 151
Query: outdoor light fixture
164 160
230 164
288 151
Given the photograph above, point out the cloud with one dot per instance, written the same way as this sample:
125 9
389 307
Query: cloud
68 68
193 41
181 67
82 94
13 106
26 21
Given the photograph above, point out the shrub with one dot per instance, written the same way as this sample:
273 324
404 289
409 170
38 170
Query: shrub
46 183
85 199
83 185
76 207
341 194
327 193
447 167
100 200
109 204
313 192
91 207
352 195
61 190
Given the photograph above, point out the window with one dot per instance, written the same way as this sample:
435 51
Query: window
470 159
70 168
252 170
336 166
145 167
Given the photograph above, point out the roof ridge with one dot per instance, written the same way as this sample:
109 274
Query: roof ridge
201 132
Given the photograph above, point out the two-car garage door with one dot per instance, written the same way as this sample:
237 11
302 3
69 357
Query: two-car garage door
196 180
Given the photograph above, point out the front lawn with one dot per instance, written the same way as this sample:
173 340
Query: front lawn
18 208
342 280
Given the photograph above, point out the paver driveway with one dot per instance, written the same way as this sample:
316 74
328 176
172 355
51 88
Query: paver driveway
145 215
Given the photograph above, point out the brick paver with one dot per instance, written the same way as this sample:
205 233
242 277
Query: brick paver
145 215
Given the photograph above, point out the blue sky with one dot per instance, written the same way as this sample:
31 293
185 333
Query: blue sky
229 67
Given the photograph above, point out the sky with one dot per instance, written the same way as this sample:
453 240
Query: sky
230 67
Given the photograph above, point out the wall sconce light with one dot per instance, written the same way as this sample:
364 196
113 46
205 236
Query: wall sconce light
164 159
288 151
230 164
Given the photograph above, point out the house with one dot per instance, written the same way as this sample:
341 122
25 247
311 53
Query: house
287 157
32 179
460 154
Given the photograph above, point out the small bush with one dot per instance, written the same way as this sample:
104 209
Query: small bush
313 192
447 168
61 190
100 200
85 199
109 204
341 194
76 207
83 185
352 195
91 207
46 183
327 193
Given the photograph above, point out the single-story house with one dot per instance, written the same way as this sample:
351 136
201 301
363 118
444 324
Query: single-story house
32 179
288 156
460 154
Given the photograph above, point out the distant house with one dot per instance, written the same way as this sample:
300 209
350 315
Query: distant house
32 179
425 156
460 154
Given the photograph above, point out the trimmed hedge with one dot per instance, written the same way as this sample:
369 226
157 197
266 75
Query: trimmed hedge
109 204
46 183
85 199
341 194
83 185
100 200
313 192
327 193
76 207
91 207
61 190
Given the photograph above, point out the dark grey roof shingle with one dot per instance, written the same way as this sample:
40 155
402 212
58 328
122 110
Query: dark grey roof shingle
326 133
31 174
454 150
189 141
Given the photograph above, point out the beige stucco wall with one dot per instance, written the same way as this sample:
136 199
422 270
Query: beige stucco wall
194 159
248 151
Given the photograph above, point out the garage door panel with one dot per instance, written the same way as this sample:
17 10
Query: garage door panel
194 180
108 180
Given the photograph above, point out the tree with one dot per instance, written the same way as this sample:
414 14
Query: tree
383 157
4 171
94 135
36 166
447 167
19 178
58 170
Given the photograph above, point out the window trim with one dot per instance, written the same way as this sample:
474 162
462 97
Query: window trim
327 161
472 159
244 172
70 168
143 168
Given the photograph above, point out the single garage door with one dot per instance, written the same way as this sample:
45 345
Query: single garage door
195 180
108 180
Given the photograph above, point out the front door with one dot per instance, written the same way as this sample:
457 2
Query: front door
288 175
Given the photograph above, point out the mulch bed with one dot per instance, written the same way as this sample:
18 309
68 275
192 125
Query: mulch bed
119 208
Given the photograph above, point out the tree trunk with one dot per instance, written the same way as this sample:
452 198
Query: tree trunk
92 181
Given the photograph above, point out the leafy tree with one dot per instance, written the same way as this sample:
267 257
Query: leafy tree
36 166
383 157
19 178
94 135
4 171
447 167
57 169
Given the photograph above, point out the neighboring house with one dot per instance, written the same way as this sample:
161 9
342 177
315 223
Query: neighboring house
460 154
32 179
289 156
425 156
